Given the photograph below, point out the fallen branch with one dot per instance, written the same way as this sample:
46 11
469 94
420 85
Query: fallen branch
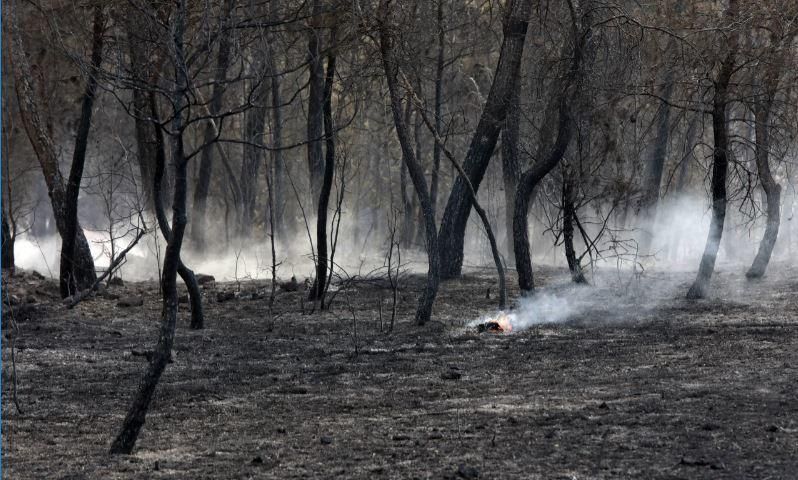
114 265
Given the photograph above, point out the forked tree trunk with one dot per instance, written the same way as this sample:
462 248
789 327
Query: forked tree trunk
134 420
194 293
568 219
82 275
68 281
322 260
427 300
200 223
530 178
720 166
483 142
526 185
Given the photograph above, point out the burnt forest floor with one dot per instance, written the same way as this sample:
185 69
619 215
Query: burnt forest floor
636 383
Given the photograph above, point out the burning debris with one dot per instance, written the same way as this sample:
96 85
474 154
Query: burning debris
501 323
542 309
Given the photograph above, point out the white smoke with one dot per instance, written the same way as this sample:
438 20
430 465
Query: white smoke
543 308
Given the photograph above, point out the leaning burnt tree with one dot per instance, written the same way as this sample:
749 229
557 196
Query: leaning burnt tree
451 239
77 265
134 420
414 168
763 104
562 117
720 159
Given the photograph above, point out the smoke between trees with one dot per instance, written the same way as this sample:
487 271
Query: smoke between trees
679 237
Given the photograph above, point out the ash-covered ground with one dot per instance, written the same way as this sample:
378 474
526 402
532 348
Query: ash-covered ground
623 380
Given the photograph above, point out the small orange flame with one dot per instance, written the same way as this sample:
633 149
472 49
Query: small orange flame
500 324
503 320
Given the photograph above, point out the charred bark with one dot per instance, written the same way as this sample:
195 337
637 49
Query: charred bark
483 142
720 166
772 194
315 121
277 189
322 260
37 131
73 277
8 245
254 126
439 69
135 418
655 167
511 169
427 299
531 177
762 113
526 185
568 219
145 132
186 274
202 190
408 208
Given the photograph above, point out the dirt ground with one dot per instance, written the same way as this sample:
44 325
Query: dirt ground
638 383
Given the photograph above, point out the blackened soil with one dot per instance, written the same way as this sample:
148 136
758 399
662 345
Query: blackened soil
641 384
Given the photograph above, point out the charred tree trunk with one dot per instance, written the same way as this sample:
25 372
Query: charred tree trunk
142 73
73 276
531 177
458 208
322 261
254 126
762 113
277 190
315 123
511 169
720 166
427 300
408 216
83 273
8 245
568 219
199 210
417 234
134 421
439 68
523 195
654 168
192 285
